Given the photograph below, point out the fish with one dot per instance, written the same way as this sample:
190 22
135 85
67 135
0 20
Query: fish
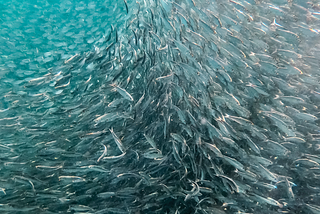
157 106
125 2
123 92
117 140
268 200
103 154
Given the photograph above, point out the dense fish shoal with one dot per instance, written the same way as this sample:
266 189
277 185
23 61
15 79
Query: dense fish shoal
160 106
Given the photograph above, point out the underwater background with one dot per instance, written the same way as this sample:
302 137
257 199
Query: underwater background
158 106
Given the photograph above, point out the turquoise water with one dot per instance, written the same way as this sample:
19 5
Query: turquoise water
157 106
36 35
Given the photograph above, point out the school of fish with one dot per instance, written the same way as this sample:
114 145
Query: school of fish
177 107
